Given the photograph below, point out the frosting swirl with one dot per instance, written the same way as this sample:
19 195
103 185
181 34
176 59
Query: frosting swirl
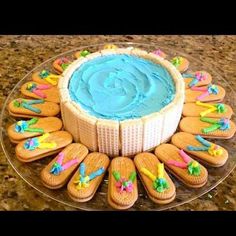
121 86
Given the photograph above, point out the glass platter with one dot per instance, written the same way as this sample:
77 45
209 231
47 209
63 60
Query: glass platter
29 172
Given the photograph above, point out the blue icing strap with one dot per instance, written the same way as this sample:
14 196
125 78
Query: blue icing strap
96 173
82 169
188 76
121 87
204 142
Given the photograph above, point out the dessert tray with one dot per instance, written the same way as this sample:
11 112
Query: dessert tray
30 172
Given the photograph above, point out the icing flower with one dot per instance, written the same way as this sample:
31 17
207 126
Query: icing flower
159 53
56 169
194 168
84 53
124 184
21 126
44 73
31 144
176 61
160 185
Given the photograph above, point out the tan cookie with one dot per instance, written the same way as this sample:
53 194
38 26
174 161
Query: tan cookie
192 95
60 64
36 126
188 171
85 182
42 146
56 174
205 151
40 91
156 178
27 108
45 77
180 63
122 186
82 53
198 78
207 109
195 125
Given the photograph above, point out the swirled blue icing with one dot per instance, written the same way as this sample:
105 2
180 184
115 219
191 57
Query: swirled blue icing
120 87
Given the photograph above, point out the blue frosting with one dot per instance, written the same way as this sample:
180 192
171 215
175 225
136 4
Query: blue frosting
120 87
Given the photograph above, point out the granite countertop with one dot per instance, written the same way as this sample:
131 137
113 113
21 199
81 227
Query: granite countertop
19 54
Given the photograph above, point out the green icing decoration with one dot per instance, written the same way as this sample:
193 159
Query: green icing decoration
84 53
64 66
160 184
194 170
116 175
132 176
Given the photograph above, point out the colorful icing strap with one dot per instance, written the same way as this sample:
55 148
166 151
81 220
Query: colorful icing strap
110 46
36 89
159 182
83 180
222 124
27 104
58 167
213 149
37 142
193 167
50 78
219 108
197 77
84 53
176 61
64 62
22 126
123 184
210 89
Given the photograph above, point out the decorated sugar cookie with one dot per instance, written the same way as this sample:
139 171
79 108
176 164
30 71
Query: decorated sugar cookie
182 166
56 174
159 53
41 146
205 151
82 53
24 129
61 64
180 63
84 183
45 77
197 79
156 181
122 186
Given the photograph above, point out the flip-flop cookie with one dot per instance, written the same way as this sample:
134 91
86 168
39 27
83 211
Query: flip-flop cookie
212 110
182 166
60 64
83 53
45 77
85 182
122 186
42 146
25 129
156 181
210 93
208 127
57 173
40 91
205 151
180 63
27 108
197 79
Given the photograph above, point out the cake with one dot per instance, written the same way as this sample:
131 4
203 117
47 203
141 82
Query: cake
121 101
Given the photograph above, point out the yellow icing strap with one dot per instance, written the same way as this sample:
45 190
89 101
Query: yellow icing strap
148 174
160 170
52 79
43 137
47 145
214 150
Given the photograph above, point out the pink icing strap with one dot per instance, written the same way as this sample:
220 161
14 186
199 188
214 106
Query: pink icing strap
39 93
177 164
185 157
199 89
60 158
69 164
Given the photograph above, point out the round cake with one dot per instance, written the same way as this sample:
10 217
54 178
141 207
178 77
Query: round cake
121 101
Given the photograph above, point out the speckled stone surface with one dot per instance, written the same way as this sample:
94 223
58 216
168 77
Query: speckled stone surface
19 54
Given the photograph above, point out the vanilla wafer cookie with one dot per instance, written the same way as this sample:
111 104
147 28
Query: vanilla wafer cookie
45 77
40 91
131 137
208 127
203 150
108 137
198 78
122 186
60 64
182 166
56 174
210 93
21 107
42 146
24 129
85 182
212 110
156 181
82 53
180 63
